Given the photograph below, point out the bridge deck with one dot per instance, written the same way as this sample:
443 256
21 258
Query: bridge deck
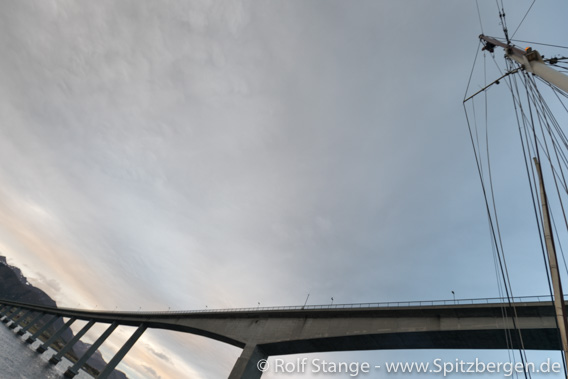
277 331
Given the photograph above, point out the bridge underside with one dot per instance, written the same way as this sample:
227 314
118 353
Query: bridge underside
449 327
533 339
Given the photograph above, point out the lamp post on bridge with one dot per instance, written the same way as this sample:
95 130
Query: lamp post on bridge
306 302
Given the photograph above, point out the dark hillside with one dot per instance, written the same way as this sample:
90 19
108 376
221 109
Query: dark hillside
14 286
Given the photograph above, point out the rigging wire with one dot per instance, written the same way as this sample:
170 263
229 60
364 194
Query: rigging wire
526 143
479 16
501 10
472 68
557 91
541 44
497 241
557 174
540 134
508 333
535 114
559 242
528 126
526 14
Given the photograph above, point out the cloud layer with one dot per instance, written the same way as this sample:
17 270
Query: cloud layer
180 155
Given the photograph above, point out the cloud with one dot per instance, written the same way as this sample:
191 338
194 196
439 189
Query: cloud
41 281
151 372
162 356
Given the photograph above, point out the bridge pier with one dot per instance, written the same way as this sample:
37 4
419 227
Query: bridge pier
7 315
3 311
13 316
122 352
74 370
22 318
247 366
24 329
55 359
42 348
32 339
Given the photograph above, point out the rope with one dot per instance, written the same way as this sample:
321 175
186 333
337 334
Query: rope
526 14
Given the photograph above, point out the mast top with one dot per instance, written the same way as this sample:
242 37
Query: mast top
490 43
529 59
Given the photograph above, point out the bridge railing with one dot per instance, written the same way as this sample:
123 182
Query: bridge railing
388 304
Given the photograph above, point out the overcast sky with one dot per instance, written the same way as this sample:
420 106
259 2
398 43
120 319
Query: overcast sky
191 154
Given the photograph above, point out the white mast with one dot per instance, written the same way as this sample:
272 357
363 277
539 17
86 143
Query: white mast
531 61
559 305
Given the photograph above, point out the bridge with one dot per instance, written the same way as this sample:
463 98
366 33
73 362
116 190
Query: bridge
264 332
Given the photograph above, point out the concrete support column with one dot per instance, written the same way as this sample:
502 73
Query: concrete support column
15 313
247 366
57 357
7 315
42 348
24 329
13 317
72 371
122 352
22 318
32 339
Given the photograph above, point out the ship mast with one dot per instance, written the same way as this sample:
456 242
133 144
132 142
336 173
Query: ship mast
530 60
559 304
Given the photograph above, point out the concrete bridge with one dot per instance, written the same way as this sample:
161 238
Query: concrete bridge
263 332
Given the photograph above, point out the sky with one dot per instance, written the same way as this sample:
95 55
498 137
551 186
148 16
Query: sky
215 154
